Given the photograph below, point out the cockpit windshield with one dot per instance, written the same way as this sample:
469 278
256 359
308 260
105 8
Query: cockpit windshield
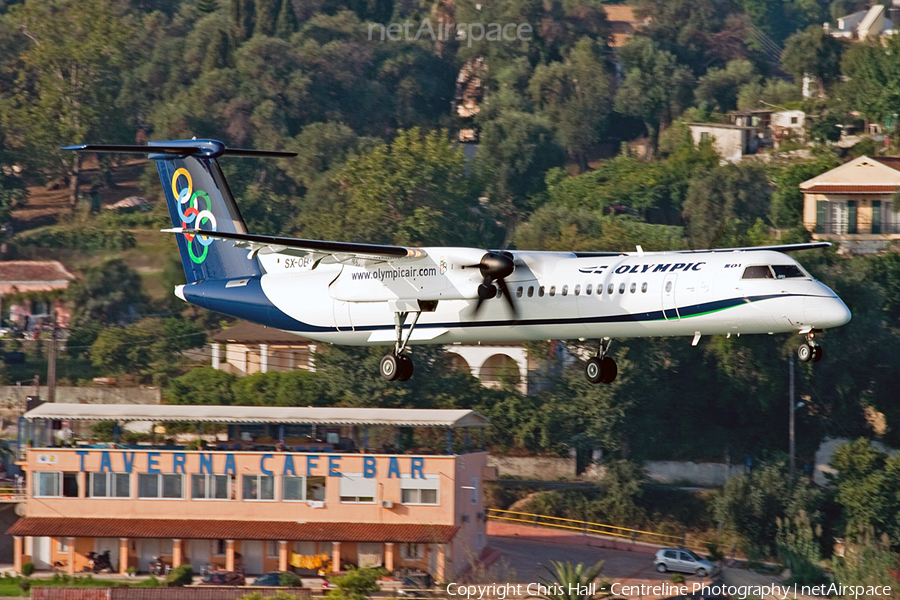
758 272
788 271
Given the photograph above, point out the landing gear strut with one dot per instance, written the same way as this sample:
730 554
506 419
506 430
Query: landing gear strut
601 368
397 365
809 351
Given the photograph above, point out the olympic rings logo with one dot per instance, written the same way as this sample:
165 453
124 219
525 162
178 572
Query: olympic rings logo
186 196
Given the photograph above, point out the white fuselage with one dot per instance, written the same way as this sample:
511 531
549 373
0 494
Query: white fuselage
557 296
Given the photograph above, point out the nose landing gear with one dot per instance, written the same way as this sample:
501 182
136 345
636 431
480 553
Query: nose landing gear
809 351
601 368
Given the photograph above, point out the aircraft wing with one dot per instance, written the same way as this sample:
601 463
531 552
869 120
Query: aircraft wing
781 248
329 252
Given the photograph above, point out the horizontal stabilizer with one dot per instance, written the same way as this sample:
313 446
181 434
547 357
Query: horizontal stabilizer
350 248
202 148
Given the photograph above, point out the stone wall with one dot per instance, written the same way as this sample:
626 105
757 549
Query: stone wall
12 397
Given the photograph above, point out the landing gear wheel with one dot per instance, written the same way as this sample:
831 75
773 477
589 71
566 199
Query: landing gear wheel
593 370
816 353
608 369
805 352
390 367
406 368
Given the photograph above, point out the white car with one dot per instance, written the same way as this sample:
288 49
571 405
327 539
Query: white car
684 561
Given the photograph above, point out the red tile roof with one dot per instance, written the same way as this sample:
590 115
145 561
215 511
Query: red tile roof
33 276
888 161
829 188
240 530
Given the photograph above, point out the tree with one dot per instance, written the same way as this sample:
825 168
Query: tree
813 53
786 210
110 293
72 55
203 385
149 343
724 204
868 488
655 85
568 582
874 78
719 88
777 92
575 96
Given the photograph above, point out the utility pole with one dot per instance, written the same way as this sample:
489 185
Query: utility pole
51 359
793 408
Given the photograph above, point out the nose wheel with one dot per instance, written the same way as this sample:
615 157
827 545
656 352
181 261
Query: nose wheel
809 351
601 368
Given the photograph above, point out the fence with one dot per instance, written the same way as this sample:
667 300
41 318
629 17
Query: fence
12 493
589 528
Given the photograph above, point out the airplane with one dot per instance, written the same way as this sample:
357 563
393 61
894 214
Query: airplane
369 294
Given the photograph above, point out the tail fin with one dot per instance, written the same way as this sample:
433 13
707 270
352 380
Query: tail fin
198 196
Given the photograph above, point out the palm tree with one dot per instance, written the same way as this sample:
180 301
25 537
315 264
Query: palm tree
568 582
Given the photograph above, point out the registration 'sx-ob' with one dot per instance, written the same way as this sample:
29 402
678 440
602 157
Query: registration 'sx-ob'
367 294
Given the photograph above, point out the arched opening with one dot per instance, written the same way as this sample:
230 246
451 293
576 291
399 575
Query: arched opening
500 368
458 363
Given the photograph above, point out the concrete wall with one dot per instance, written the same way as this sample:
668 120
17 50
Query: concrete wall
667 472
12 397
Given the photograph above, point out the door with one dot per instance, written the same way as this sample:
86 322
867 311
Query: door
198 554
101 545
252 556
668 297
147 550
41 553
876 216
688 564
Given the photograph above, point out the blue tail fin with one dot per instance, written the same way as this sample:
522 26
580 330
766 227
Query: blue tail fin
198 197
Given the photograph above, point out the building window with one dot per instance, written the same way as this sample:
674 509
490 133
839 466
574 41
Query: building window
293 489
62 545
220 547
259 487
704 136
272 549
420 491
473 493
413 551
479 540
110 485
357 489
157 485
205 486
54 484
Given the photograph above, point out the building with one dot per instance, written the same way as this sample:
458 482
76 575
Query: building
622 23
252 348
731 142
29 289
853 204
275 487
865 24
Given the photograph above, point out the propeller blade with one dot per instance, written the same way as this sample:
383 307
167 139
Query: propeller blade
501 283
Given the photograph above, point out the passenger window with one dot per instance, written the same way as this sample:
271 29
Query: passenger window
565 290
588 289
787 271
577 289
530 291
644 287
621 288
518 292
552 290
668 286
610 289
670 554
541 291
633 288
758 272
686 557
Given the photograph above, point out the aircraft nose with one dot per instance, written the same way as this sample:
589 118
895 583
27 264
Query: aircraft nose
836 313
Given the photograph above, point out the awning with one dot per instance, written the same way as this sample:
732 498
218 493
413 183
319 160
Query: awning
403 417
195 529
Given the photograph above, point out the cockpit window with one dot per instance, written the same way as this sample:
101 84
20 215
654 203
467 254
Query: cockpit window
758 272
787 271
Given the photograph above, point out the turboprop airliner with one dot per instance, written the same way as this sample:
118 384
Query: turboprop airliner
368 294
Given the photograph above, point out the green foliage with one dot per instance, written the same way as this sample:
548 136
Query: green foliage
203 385
571 582
748 506
290 579
786 209
868 488
868 561
150 343
873 74
815 53
180 576
677 579
798 548
719 88
356 584
278 595
110 293
28 569
88 238
773 92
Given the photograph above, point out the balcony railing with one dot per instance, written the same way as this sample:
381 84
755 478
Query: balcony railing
833 228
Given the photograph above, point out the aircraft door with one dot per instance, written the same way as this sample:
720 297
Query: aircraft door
668 297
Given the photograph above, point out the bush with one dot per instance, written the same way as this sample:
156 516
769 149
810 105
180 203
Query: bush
87 238
180 576
25 584
677 578
289 579
28 569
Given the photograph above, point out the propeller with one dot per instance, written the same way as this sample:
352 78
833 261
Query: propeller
494 267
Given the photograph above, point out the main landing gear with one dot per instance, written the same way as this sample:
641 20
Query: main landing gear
601 368
809 351
397 366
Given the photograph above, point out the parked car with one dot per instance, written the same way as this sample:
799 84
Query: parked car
684 561
272 579
223 578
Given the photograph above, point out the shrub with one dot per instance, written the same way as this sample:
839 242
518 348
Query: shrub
677 578
180 576
288 579
25 584
28 569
